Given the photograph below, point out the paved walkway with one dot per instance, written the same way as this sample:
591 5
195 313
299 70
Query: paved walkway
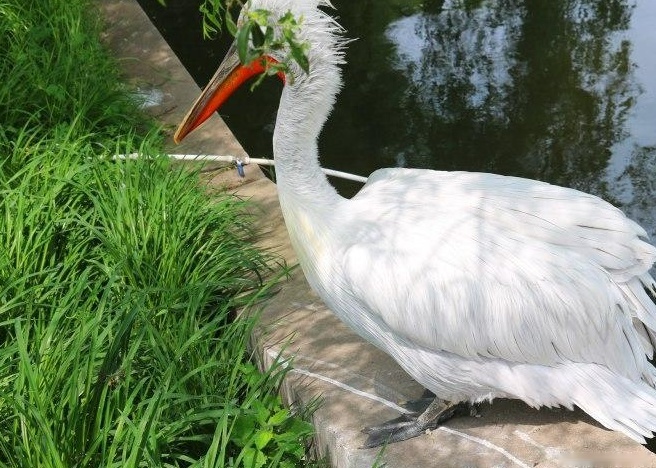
358 385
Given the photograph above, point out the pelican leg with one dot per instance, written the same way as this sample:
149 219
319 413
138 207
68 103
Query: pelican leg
409 426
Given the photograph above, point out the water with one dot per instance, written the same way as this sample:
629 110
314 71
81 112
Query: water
562 91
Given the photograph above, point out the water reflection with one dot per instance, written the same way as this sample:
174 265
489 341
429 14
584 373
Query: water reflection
459 65
540 89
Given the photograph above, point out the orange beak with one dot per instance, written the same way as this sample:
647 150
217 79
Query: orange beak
227 79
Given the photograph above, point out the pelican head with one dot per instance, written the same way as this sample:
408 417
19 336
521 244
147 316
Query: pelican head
318 29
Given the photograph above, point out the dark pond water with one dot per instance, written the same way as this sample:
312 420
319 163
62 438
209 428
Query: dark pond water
562 91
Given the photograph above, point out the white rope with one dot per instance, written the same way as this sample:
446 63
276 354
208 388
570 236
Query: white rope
350 389
245 161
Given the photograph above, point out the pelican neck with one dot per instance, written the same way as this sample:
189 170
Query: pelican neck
305 104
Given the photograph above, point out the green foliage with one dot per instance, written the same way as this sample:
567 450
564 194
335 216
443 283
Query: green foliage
266 432
119 280
213 12
117 289
258 33
261 35
53 70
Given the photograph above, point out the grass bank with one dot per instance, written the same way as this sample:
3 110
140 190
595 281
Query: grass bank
118 280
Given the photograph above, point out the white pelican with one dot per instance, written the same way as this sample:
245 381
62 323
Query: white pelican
479 285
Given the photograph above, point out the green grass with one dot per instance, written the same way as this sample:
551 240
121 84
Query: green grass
119 280
55 70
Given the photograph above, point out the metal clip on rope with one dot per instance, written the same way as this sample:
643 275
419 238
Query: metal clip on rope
240 167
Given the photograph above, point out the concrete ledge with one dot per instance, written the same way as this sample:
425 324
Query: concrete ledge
358 384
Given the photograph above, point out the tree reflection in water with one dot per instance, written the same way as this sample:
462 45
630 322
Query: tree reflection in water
541 89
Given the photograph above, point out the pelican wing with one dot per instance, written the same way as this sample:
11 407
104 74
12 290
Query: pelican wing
482 265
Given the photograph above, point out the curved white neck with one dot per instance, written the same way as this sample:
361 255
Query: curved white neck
304 107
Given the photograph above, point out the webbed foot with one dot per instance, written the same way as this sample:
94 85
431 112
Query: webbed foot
428 416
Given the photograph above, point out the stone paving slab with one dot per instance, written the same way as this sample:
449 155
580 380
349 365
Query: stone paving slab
357 384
